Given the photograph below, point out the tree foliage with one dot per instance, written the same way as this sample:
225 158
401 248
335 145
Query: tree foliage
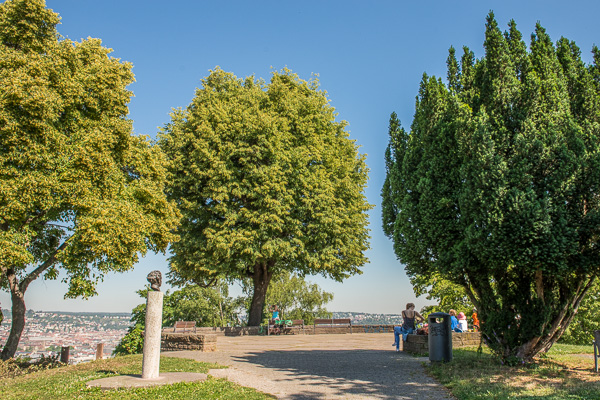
448 295
496 186
587 319
131 343
78 192
267 181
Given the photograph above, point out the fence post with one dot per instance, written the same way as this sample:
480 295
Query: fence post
64 354
100 351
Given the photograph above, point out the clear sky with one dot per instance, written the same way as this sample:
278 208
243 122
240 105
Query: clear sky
370 57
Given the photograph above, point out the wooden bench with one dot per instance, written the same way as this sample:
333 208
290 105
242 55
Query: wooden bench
184 326
378 328
275 328
596 344
332 322
296 323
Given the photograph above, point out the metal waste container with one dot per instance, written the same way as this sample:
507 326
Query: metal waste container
440 337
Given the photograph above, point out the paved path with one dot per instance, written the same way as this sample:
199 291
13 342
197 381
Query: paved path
311 367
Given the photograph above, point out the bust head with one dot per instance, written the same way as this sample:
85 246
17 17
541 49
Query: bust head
155 279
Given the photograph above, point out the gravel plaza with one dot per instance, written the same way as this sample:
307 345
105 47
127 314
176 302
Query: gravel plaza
330 366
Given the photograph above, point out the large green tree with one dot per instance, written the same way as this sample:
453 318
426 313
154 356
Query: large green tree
267 180
78 192
496 186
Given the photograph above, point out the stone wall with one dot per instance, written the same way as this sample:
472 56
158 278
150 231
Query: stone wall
419 344
296 330
219 330
187 341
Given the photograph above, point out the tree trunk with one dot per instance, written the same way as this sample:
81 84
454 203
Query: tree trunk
17 324
261 277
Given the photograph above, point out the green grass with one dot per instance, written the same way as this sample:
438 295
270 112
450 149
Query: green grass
559 348
70 382
565 373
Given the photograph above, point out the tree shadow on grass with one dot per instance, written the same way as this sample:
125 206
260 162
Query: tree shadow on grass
373 374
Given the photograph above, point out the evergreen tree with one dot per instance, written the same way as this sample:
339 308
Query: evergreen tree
496 186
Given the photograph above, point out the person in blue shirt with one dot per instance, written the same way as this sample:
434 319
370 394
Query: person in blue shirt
275 311
454 321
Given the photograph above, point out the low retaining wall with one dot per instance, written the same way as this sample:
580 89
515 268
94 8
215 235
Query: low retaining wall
187 341
419 344
219 331
296 330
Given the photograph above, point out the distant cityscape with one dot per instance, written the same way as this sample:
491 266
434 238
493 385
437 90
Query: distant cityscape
47 331
370 319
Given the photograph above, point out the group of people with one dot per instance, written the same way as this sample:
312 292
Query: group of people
458 323
410 317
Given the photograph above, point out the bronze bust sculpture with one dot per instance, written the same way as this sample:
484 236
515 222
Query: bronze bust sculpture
155 279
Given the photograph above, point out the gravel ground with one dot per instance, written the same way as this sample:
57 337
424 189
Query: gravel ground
303 367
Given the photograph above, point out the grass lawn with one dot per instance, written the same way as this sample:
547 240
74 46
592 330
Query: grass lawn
70 382
566 372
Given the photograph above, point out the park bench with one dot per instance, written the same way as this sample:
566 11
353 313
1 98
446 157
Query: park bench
596 343
332 322
297 323
184 326
275 329
377 328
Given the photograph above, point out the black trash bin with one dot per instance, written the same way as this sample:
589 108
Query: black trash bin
440 337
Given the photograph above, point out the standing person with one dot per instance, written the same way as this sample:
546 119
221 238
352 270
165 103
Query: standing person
475 320
275 310
462 322
408 324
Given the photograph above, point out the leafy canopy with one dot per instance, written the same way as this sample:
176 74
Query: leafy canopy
496 186
78 191
267 181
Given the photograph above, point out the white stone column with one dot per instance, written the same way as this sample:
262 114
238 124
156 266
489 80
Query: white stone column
151 361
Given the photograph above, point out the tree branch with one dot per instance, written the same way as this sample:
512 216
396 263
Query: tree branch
33 275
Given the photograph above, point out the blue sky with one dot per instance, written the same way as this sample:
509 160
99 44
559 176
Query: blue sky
370 57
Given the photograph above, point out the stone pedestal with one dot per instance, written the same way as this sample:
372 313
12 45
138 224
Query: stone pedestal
188 341
151 360
419 344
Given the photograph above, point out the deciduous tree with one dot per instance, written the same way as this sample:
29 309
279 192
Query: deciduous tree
496 186
267 181
78 192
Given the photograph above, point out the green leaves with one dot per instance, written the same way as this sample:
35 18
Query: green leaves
267 180
495 188
264 172
78 192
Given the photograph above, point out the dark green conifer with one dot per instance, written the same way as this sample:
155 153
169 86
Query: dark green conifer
496 187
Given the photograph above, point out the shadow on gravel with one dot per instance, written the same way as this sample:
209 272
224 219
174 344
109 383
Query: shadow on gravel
370 373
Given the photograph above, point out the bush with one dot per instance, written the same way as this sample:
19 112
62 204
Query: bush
132 342
23 365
